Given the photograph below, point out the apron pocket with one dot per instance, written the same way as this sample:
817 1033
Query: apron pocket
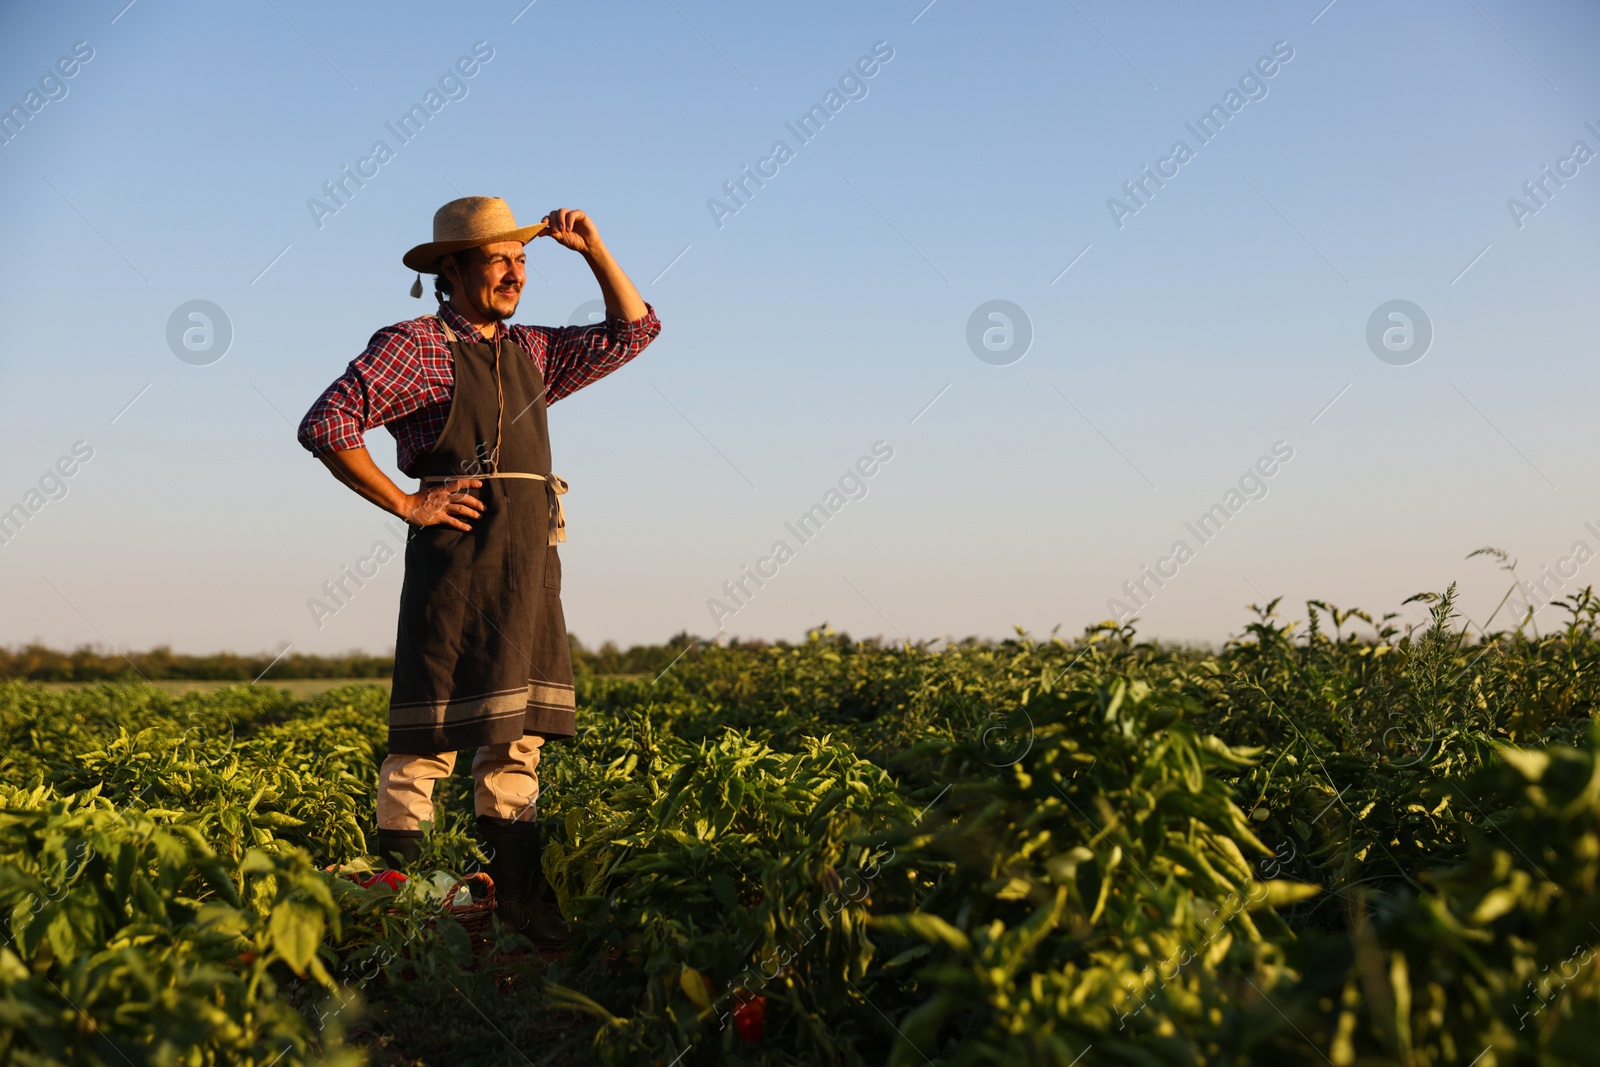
443 563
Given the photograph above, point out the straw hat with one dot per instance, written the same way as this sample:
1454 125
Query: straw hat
468 223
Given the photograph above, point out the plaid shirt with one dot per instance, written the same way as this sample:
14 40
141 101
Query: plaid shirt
406 377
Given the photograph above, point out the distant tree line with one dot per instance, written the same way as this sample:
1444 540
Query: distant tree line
39 663
36 662
85 663
637 659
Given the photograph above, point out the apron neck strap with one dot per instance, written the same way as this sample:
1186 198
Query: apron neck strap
499 391
449 334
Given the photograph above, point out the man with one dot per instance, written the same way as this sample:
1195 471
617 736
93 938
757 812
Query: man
481 655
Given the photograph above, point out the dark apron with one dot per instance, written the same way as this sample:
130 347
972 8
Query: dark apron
481 655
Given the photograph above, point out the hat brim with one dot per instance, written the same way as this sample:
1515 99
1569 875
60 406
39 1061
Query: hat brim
425 257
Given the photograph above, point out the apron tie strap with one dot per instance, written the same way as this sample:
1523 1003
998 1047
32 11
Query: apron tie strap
556 485
558 523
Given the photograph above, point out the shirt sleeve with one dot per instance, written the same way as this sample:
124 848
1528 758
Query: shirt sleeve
576 356
386 382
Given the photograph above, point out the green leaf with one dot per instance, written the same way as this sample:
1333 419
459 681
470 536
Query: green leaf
931 928
1280 893
573 1000
12 969
1528 762
1495 903
920 1030
63 940
723 889
296 931
913 953
127 856
456 939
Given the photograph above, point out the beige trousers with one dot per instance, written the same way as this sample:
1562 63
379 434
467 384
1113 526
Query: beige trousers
506 783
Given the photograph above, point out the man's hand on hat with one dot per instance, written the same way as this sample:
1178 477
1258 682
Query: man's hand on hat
572 229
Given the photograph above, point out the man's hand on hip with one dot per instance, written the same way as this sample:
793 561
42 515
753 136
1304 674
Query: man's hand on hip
447 504
444 505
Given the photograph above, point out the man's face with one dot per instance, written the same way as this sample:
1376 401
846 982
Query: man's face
489 279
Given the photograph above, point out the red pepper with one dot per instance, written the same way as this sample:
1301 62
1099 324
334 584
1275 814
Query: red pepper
392 879
750 1018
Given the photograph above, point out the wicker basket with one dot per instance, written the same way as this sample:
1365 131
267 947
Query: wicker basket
477 917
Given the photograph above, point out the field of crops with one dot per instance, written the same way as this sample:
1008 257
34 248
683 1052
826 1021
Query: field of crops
1329 844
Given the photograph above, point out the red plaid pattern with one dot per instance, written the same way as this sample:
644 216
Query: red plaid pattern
405 378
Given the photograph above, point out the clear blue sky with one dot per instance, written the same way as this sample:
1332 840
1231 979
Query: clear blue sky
1220 318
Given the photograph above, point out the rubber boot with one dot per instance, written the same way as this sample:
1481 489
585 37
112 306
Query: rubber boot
399 848
514 864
